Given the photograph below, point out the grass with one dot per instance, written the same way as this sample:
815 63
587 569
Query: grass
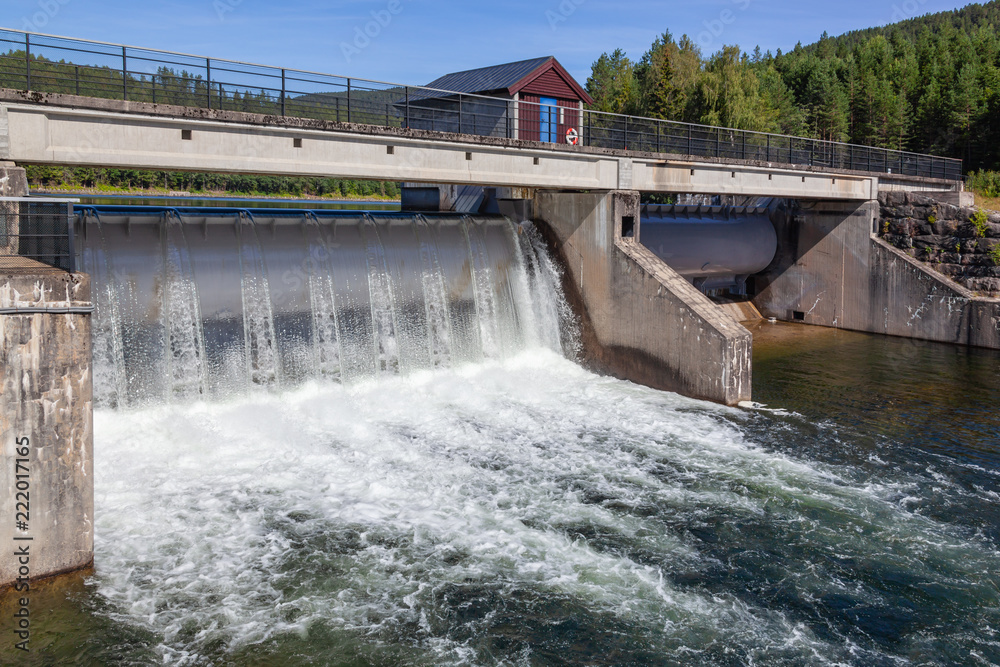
988 203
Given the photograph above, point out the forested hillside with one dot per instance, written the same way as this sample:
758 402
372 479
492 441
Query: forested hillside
928 85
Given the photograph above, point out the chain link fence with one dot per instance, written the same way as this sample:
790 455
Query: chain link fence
36 235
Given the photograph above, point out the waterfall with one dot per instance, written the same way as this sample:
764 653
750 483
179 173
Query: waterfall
205 303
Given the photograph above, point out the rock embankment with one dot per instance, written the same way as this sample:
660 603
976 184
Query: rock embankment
962 243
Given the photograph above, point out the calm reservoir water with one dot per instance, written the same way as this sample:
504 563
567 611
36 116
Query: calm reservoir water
513 508
242 202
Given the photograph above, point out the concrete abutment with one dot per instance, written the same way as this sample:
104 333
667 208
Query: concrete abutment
640 320
832 270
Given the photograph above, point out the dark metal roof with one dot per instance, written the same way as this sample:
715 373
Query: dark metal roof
489 79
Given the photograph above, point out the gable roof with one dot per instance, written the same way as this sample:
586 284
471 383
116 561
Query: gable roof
509 78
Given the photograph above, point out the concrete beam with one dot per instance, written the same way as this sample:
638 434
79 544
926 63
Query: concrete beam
640 320
686 176
64 129
51 135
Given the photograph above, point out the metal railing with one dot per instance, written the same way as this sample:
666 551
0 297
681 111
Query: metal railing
36 234
47 63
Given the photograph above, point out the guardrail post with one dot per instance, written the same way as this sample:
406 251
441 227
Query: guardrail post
282 92
407 117
78 83
124 74
768 158
348 102
70 240
658 136
690 147
208 81
460 111
625 135
744 149
27 62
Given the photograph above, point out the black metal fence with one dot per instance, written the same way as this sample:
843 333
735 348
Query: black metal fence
36 234
45 63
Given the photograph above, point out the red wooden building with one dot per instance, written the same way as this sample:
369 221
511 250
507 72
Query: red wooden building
547 101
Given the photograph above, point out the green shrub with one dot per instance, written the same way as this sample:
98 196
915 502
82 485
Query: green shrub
979 220
995 254
984 183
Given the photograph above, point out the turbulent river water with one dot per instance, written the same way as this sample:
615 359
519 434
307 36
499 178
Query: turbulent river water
510 507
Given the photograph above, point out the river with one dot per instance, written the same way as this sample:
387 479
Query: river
518 509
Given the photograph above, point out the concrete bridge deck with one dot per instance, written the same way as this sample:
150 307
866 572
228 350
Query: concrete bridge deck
54 128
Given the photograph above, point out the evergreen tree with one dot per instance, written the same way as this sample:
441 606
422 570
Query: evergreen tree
612 84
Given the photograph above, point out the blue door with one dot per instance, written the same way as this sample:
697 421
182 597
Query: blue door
549 112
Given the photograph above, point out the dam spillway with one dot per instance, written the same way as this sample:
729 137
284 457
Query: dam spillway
207 302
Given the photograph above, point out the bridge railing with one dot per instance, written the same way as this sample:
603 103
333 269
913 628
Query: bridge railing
46 63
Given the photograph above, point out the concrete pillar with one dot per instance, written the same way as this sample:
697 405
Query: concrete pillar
13 181
832 270
640 320
46 434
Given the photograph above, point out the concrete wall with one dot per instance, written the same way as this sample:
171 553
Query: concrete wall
45 396
832 271
640 320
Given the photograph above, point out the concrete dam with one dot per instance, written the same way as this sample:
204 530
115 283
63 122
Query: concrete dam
503 434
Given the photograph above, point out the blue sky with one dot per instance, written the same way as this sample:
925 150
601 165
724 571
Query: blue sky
414 41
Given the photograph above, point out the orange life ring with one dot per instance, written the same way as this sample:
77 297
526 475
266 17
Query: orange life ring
572 137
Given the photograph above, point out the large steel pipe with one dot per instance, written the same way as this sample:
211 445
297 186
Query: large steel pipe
713 247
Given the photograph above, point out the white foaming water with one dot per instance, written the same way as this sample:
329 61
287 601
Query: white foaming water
220 303
428 480
330 516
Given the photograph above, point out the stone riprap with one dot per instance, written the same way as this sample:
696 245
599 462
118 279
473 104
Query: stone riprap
962 243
